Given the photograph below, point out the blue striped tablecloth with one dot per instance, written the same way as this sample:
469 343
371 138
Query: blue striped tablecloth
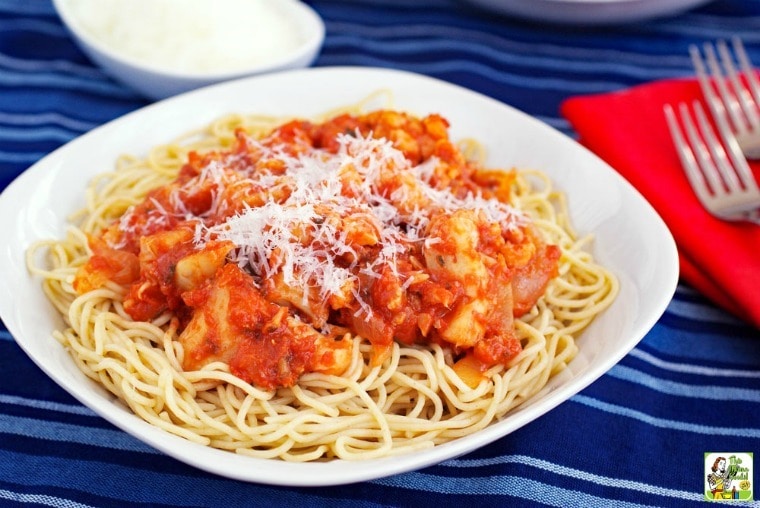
636 437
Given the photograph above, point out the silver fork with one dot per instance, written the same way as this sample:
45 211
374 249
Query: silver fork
733 97
718 172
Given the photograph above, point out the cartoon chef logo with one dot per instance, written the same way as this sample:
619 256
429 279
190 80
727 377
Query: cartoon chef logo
728 476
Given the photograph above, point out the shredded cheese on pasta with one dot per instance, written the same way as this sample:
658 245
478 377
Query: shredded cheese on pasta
314 182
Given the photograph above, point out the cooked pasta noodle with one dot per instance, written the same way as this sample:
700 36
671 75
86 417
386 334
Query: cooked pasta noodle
413 399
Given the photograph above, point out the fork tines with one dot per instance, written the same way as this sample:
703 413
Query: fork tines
733 97
722 189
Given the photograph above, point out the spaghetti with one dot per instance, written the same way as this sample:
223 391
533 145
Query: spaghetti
342 387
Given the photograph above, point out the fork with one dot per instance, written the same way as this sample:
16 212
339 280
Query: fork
718 172
732 97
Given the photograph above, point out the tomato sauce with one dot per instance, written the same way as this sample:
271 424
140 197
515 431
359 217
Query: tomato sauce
460 287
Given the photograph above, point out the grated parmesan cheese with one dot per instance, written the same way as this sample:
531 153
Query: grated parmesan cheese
191 36
301 236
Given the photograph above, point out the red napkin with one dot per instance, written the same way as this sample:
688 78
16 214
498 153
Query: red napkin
628 130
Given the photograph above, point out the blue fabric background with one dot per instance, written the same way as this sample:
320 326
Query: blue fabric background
636 437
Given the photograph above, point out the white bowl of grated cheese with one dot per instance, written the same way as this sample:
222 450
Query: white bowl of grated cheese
164 47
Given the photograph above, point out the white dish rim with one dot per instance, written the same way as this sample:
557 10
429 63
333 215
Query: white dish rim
589 12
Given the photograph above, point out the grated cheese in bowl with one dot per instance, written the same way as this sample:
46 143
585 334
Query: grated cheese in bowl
163 47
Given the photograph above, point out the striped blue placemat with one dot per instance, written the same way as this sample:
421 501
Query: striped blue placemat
636 437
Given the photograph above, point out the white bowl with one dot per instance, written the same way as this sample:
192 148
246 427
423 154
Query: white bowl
589 12
158 82
630 239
